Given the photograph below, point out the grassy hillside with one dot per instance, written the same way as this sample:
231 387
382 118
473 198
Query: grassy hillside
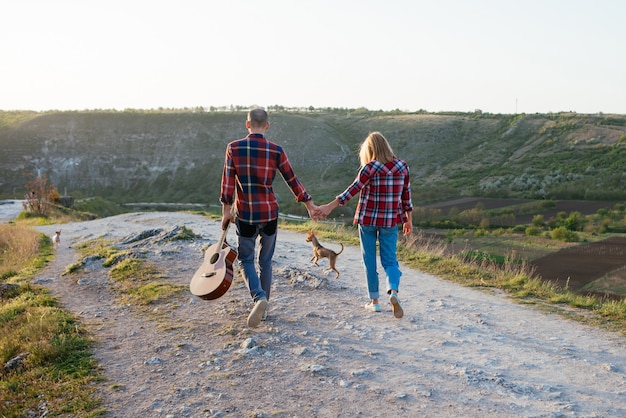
177 156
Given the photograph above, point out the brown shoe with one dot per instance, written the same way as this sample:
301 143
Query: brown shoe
256 314
398 312
265 312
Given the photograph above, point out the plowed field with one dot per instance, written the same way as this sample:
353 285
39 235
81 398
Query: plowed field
575 267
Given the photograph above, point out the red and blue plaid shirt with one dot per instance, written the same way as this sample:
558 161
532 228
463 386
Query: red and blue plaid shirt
249 169
385 194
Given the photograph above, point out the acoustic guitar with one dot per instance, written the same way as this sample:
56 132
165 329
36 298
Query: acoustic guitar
215 274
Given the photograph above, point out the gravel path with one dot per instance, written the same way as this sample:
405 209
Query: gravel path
458 352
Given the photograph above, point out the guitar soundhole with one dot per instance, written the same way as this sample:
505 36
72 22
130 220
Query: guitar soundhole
214 258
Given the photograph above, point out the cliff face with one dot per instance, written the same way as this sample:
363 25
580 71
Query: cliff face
115 154
178 157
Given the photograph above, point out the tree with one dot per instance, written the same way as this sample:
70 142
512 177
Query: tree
39 194
575 221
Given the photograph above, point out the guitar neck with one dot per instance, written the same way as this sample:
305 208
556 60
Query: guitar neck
223 237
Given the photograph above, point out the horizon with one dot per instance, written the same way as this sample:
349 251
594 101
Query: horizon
499 57
287 109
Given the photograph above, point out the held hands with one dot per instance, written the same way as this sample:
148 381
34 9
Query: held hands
314 210
324 210
320 212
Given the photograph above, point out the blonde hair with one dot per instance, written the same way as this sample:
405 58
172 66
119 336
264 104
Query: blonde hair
375 147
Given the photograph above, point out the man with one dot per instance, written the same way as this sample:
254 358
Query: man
250 167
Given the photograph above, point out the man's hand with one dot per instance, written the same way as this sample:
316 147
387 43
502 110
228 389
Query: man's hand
325 210
314 212
227 216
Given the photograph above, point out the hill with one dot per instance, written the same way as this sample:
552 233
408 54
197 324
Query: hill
177 156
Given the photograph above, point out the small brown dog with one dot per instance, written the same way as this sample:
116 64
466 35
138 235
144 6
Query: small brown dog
56 239
321 252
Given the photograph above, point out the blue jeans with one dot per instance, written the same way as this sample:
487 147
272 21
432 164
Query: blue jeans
259 284
387 239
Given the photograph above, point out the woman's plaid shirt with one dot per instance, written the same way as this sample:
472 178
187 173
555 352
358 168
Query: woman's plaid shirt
249 169
385 194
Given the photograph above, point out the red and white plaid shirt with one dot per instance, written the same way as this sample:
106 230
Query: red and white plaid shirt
250 167
385 194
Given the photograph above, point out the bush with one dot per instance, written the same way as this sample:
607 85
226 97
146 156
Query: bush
538 220
532 231
563 234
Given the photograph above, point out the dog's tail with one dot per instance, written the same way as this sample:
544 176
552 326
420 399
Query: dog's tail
341 249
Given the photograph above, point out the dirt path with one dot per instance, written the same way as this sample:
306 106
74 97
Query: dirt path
457 352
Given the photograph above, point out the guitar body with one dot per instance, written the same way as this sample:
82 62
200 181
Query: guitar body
215 275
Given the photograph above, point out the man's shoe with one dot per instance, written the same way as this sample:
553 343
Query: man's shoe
398 312
256 314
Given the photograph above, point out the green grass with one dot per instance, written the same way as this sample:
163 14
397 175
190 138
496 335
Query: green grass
136 282
509 273
549 156
57 369
60 372
100 207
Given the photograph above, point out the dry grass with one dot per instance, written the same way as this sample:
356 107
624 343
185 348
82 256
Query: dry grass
19 245
516 277
425 243
54 349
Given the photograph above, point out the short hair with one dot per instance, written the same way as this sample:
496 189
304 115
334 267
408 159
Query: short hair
257 117
375 147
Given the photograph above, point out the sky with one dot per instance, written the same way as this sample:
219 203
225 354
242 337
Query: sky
498 56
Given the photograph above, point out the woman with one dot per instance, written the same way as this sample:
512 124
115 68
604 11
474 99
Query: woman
384 203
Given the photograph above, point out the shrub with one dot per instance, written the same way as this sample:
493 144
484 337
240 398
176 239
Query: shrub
39 195
563 234
481 232
532 231
538 220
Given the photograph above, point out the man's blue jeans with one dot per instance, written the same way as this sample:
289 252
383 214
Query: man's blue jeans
259 283
387 239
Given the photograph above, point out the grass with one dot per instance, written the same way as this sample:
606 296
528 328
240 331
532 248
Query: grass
56 215
58 373
137 282
19 246
614 281
509 273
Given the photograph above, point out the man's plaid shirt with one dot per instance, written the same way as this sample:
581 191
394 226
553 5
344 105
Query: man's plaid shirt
249 169
385 194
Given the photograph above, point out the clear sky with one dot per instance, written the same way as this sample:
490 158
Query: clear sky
499 56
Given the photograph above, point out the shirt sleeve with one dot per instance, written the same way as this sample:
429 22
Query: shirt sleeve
357 185
407 203
227 193
298 190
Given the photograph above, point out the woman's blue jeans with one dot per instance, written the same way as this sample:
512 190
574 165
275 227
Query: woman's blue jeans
387 239
259 284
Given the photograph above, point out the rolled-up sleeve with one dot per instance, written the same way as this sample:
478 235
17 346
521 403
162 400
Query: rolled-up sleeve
227 193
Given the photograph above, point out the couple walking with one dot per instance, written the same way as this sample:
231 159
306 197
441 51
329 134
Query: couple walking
248 200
